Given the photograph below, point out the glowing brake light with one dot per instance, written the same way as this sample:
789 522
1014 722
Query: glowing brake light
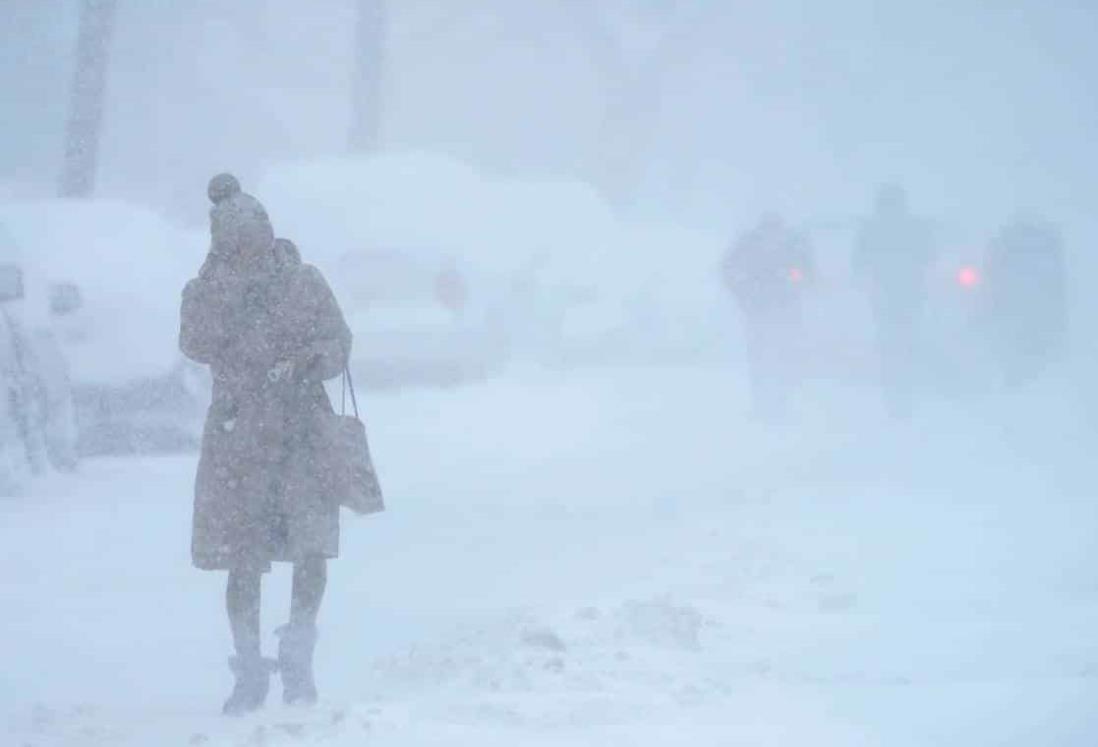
796 274
968 277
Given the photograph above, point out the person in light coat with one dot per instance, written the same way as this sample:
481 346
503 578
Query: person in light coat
271 332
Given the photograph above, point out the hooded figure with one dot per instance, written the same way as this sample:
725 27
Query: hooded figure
891 258
271 333
766 270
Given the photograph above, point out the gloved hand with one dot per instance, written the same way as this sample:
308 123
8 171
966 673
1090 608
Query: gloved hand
281 371
324 359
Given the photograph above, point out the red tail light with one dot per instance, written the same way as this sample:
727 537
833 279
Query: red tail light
968 277
796 274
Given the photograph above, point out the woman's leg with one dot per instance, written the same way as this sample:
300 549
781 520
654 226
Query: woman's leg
297 640
310 581
242 595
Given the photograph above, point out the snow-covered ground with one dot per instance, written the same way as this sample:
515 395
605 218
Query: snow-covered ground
615 556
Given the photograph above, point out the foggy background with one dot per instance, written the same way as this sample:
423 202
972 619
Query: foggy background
734 107
522 208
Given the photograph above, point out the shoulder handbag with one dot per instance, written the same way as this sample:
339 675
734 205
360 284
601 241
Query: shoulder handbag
349 468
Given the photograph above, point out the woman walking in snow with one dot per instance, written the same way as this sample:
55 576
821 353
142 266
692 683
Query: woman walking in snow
271 332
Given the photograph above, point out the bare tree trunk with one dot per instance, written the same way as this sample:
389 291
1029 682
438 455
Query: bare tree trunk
612 168
89 84
633 93
366 84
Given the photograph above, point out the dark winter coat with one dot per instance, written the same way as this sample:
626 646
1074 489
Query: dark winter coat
271 335
766 270
893 254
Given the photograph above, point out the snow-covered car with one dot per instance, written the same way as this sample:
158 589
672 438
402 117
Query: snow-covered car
103 279
554 275
426 299
955 331
952 354
996 315
415 319
403 345
36 414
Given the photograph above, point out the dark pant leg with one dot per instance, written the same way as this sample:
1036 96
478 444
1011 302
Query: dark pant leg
242 597
772 363
896 343
310 581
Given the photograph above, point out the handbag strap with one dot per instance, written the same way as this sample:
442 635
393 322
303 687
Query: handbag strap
348 385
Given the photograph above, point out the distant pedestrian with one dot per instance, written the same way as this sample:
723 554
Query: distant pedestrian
767 270
892 259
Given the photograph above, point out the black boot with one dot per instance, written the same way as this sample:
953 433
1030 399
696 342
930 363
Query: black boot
253 680
295 663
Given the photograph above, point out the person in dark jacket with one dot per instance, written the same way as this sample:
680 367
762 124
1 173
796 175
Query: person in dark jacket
271 332
766 270
892 258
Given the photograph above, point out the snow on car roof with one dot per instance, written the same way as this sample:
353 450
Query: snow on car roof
537 243
130 265
427 204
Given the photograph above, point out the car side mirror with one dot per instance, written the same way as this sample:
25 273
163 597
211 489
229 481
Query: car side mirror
11 283
65 299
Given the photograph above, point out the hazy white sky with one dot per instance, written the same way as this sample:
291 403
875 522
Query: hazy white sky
981 106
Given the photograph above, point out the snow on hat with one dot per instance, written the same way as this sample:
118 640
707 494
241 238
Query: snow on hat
221 187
